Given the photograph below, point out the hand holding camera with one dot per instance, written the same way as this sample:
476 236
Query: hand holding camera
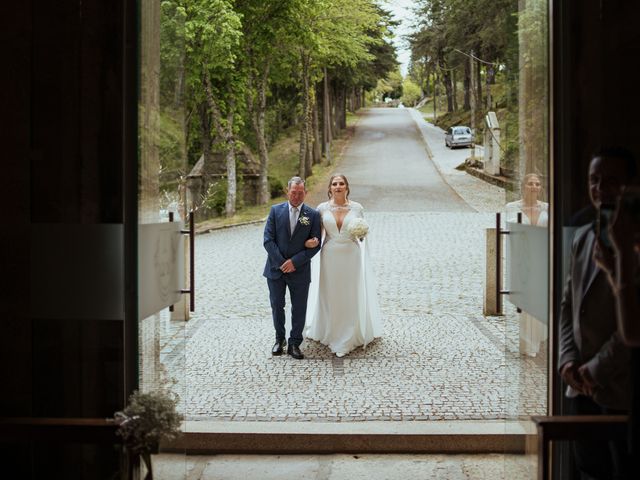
618 230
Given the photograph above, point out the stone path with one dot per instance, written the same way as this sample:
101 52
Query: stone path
438 359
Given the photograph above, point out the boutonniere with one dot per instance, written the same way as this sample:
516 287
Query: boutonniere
304 220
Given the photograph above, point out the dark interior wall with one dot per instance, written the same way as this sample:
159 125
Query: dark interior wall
15 358
596 103
595 45
71 171
63 97
76 118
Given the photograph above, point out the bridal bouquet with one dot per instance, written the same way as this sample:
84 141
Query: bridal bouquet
358 229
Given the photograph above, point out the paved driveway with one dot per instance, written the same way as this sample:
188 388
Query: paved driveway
389 169
439 358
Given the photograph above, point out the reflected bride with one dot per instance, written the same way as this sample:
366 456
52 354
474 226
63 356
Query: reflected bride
343 308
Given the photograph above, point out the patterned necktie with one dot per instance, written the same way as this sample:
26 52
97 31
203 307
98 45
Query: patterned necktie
293 219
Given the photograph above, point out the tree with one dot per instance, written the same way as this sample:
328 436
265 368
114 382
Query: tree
331 34
212 34
411 92
265 28
236 73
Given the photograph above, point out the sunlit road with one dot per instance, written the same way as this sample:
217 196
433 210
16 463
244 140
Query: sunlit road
389 169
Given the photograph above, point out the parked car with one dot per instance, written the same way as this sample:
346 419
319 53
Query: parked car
458 136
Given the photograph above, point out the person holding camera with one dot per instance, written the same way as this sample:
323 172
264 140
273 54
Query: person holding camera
617 253
593 359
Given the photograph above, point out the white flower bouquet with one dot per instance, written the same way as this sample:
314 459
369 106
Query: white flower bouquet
358 229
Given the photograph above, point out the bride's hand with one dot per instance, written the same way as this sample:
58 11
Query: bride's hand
311 242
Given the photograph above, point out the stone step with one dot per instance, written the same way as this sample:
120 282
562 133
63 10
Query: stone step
214 437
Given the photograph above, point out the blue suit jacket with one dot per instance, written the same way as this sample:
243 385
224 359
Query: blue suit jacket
281 245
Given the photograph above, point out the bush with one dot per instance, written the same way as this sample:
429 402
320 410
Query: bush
215 200
148 419
276 187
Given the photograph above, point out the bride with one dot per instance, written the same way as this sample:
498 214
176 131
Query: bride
343 307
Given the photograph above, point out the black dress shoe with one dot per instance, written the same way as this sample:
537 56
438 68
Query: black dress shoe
278 348
295 352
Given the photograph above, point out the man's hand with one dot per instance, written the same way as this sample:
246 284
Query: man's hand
312 242
623 229
589 384
571 375
605 259
288 267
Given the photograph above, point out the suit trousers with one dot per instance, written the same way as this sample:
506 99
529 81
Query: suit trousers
298 293
600 459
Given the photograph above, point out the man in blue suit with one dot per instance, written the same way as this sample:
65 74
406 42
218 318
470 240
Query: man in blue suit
289 225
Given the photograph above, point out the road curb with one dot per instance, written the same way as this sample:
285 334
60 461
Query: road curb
417 117
233 225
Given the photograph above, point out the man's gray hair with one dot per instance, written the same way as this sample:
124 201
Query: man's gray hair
295 181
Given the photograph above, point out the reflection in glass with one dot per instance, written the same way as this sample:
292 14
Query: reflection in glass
534 211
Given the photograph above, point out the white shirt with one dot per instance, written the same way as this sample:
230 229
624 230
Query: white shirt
297 215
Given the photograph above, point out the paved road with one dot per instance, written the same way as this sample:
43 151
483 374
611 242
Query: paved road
389 169
439 358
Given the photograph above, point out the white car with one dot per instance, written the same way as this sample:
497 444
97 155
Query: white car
458 136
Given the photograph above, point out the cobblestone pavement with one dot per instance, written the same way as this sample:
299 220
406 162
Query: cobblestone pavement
438 358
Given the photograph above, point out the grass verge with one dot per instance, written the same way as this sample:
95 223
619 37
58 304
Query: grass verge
283 159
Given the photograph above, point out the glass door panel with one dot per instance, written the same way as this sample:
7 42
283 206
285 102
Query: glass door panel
163 309
526 222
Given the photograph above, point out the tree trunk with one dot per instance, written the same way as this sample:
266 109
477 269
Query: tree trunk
178 94
302 153
225 134
474 102
343 118
205 132
334 110
230 158
305 159
454 88
490 79
257 107
435 95
339 106
309 129
467 84
446 80
317 147
326 118
479 83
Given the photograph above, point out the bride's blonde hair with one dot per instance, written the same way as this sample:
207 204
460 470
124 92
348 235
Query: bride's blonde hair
335 175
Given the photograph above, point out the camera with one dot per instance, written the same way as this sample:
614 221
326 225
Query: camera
605 212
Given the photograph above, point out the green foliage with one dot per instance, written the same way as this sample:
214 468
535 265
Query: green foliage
170 143
148 419
227 63
411 93
215 198
276 186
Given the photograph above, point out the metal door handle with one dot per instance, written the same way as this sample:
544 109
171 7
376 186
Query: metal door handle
192 263
499 291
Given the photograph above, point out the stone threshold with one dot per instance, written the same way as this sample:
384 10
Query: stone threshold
460 436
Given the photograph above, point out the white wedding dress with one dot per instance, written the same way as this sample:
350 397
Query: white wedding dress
343 305
532 331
